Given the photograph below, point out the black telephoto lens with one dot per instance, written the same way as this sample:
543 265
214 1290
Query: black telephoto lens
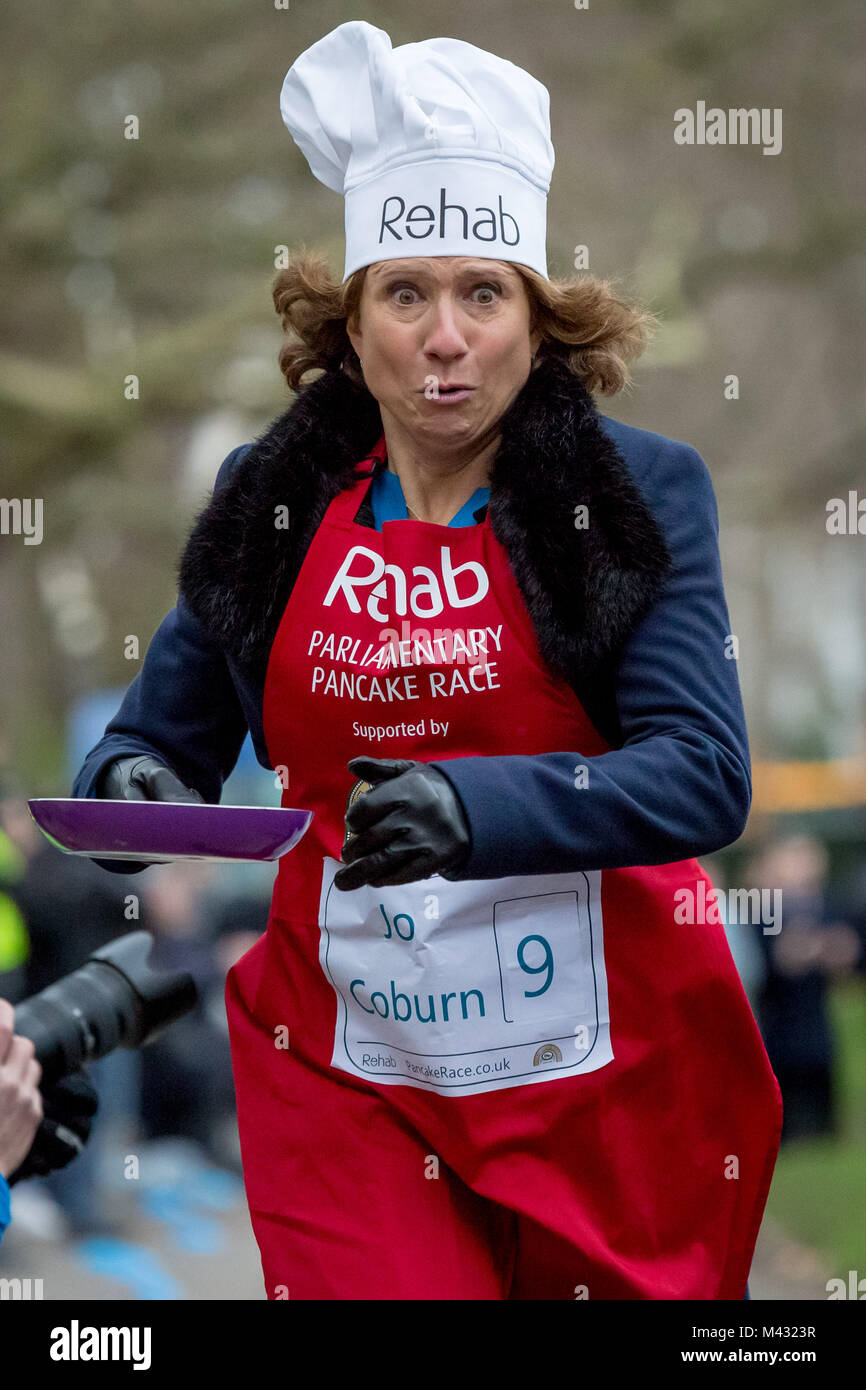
116 999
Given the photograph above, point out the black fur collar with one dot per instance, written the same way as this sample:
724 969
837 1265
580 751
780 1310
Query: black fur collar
584 589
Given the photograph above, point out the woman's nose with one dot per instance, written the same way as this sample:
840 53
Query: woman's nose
444 336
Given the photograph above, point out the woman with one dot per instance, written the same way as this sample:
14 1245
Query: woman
479 1052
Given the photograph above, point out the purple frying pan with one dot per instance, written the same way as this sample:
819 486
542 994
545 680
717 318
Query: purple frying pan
161 831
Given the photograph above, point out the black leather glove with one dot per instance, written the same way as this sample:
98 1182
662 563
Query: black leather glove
409 826
142 778
68 1107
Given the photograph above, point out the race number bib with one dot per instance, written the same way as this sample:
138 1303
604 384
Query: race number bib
461 988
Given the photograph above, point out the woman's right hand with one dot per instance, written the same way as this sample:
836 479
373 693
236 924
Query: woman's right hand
142 778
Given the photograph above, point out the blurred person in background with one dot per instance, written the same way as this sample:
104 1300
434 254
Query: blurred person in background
14 940
69 907
852 906
186 1074
747 954
17 832
810 950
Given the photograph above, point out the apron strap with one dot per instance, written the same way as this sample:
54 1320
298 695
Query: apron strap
367 465
346 503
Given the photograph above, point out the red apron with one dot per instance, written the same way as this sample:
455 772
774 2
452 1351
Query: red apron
536 1086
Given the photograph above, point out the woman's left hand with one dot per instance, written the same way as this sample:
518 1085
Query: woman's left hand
409 826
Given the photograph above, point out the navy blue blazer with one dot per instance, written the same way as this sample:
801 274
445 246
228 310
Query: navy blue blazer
678 786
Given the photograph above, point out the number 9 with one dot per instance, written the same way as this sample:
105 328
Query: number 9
547 965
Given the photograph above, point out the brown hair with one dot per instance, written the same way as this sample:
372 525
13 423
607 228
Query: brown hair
580 319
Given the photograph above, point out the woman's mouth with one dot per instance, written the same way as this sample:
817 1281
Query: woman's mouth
450 395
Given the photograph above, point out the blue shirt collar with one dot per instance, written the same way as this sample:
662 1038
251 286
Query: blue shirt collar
389 504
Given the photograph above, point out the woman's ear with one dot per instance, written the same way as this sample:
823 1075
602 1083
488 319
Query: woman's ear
354 334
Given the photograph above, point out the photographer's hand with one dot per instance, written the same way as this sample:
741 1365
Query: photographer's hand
20 1099
69 1106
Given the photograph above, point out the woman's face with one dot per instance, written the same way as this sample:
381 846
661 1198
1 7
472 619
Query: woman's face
426 324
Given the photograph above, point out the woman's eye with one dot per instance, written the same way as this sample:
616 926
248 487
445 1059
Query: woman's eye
405 295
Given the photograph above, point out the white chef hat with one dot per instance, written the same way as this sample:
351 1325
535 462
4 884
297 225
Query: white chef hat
439 148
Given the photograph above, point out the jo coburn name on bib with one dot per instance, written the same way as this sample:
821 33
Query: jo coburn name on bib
470 986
